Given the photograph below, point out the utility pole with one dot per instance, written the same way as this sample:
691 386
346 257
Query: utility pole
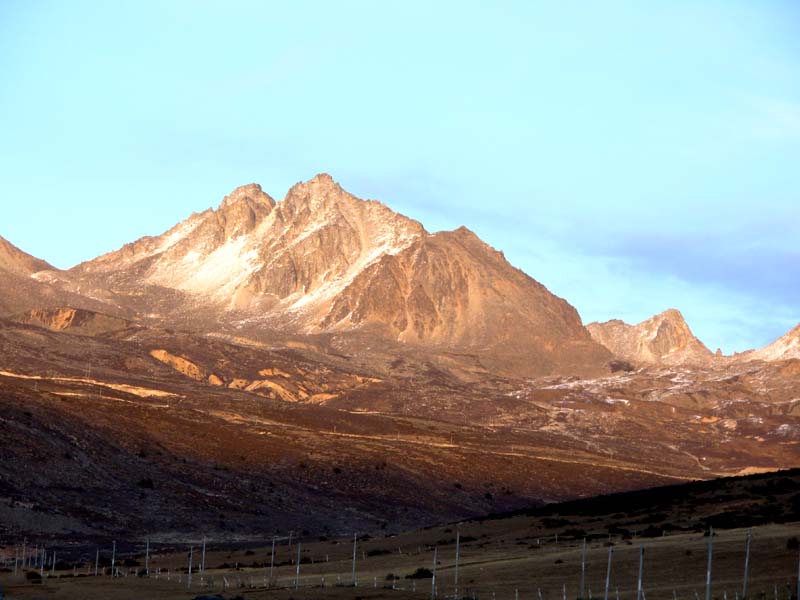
113 556
147 559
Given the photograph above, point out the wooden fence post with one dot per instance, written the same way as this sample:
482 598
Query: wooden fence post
355 544
798 577
433 579
203 559
458 551
746 564
710 559
583 570
641 568
189 576
608 571
272 561
297 572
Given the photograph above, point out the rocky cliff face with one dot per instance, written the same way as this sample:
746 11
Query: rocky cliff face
662 339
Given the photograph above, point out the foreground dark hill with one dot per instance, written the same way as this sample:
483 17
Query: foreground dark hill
526 554
722 503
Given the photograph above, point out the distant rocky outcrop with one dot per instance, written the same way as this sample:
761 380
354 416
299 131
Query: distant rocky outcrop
27 282
662 339
73 320
15 261
784 348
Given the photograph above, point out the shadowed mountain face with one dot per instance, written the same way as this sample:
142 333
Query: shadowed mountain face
325 351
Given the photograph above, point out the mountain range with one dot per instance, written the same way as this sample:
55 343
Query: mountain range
325 349
325 262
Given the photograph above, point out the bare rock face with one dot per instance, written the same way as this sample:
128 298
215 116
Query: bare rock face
266 261
784 348
323 261
202 244
664 339
73 320
452 289
321 240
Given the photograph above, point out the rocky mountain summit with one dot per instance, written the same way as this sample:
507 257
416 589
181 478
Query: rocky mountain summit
323 262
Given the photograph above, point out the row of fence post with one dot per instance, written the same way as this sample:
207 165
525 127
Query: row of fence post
38 557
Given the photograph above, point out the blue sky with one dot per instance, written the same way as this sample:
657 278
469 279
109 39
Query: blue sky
632 156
